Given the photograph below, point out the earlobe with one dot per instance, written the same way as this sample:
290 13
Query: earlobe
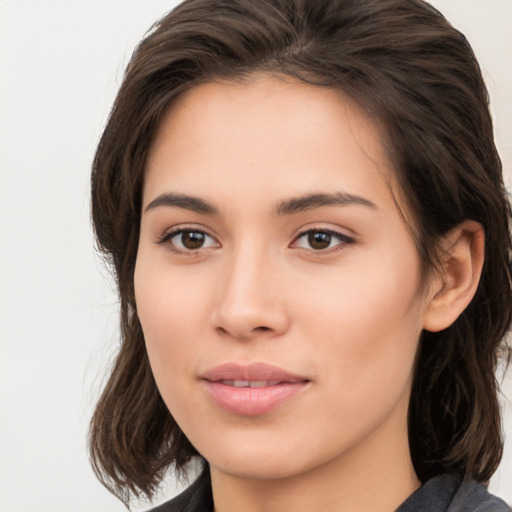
455 284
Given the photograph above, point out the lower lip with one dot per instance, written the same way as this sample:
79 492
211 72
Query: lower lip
252 401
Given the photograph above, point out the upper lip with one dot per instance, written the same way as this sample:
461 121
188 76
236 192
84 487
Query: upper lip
251 372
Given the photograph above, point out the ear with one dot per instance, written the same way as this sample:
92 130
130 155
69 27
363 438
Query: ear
455 284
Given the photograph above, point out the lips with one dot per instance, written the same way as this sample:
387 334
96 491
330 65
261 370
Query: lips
251 390
250 383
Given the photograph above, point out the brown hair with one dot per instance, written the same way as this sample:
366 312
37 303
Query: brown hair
418 78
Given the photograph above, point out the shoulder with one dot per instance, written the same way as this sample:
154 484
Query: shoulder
474 497
450 493
443 493
196 498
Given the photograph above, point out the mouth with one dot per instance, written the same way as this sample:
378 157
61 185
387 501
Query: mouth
250 383
251 390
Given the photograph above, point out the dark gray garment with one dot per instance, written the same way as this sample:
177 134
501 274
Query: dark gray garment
195 498
450 493
444 493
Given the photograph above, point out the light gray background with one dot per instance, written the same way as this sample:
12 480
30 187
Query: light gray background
61 63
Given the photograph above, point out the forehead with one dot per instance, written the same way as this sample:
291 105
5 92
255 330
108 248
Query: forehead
267 131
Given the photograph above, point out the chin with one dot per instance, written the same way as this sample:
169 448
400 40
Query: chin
257 460
259 468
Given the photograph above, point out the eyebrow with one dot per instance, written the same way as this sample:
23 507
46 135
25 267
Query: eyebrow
184 201
286 207
312 201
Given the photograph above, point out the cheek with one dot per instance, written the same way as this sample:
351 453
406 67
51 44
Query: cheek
165 309
368 324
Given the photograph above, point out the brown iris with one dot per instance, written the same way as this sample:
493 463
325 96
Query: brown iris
319 239
192 239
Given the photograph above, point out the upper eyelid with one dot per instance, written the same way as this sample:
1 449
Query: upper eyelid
175 230
324 229
344 240
165 240
180 228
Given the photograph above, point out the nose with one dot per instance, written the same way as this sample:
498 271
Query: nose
251 302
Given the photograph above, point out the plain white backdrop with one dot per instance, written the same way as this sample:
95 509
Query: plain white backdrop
61 62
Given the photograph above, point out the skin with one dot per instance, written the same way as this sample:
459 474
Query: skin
348 317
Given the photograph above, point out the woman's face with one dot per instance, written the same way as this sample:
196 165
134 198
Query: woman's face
278 288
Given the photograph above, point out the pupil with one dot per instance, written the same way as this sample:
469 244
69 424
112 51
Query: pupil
192 240
319 240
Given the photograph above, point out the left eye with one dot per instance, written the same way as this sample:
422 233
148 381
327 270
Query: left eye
320 240
186 240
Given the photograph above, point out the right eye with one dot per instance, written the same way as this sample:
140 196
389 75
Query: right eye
188 240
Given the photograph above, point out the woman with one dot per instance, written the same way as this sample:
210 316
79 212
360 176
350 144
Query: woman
305 212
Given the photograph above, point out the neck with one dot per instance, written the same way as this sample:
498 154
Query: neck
378 475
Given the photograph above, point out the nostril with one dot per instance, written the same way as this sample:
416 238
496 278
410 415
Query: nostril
261 329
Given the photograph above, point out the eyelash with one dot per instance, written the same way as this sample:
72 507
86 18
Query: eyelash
343 240
166 239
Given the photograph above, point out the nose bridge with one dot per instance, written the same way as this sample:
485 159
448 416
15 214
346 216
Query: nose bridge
250 301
